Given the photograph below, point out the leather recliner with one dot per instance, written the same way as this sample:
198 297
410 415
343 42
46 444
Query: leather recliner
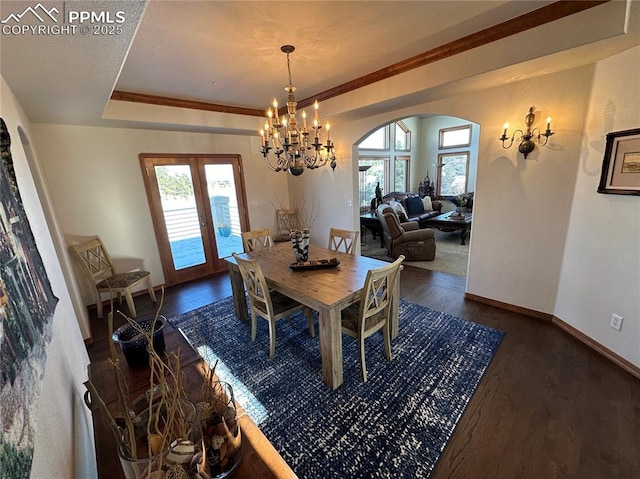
406 238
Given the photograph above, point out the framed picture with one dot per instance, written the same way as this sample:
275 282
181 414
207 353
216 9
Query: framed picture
621 165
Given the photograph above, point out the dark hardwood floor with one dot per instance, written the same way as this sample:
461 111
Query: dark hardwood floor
547 407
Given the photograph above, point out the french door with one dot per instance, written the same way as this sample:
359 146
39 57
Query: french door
198 206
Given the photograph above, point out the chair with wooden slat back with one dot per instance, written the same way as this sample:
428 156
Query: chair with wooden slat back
373 311
343 240
286 221
270 305
252 240
96 263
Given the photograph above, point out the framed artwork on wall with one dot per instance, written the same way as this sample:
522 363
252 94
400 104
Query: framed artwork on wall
621 164
27 305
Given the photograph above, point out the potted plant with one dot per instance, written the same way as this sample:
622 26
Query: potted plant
224 229
460 201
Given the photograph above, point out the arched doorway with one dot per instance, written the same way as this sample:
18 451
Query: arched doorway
405 155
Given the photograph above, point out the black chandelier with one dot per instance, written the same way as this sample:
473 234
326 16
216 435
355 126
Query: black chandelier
527 145
292 146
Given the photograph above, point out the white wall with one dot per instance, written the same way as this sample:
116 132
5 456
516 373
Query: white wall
96 184
543 239
522 208
62 418
601 259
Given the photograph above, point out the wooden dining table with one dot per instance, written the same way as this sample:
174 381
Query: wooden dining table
326 290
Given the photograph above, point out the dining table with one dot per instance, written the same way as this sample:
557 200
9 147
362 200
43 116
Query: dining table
327 289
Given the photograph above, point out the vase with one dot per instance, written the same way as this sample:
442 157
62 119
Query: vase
300 243
134 344
221 432
182 457
225 231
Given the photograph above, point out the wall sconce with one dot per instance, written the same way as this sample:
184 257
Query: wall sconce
527 145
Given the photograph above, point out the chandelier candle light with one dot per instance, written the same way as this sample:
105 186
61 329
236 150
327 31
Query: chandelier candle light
291 144
524 138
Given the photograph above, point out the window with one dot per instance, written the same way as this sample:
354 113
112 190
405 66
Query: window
401 174
403 137
377 172
378 140
456 137
453 171
374 169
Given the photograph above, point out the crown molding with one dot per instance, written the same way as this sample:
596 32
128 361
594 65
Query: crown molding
541 16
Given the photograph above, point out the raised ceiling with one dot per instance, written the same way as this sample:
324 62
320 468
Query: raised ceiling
228 52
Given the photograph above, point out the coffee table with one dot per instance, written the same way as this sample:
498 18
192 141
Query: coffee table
447 222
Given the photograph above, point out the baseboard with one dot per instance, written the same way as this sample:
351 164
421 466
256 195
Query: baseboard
599 348
509 307
579 335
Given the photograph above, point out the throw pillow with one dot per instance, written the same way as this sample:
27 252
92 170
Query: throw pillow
426 203
400 211
414 205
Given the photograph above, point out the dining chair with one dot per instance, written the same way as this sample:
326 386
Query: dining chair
268 304
373 311
256 239
286 221
343 240
95 261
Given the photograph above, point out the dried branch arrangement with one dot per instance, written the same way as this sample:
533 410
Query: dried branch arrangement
303 218
160 434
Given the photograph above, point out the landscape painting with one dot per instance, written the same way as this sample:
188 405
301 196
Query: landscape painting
27 304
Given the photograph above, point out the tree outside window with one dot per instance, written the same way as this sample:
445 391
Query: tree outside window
401 176
453 171
378 172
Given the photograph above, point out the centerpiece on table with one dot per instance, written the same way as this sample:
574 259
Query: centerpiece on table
460 202
165 433
299 226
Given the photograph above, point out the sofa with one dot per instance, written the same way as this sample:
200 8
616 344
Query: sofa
406 238
415 208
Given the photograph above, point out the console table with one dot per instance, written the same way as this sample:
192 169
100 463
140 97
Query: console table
447 222
371 222
260 460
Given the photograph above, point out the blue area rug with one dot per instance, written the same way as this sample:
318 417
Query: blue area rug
396 425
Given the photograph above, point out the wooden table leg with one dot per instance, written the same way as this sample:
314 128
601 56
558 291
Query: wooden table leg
331 346
237 287
463 235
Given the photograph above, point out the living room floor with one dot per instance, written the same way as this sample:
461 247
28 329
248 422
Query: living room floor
548 406
451 256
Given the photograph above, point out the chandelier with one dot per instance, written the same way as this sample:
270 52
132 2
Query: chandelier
292 146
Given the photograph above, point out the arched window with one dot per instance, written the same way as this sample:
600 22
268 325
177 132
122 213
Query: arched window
375 161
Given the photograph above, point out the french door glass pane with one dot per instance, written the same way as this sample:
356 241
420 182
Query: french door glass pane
221 190
180 215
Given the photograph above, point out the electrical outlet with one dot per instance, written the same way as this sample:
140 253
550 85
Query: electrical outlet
616 322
